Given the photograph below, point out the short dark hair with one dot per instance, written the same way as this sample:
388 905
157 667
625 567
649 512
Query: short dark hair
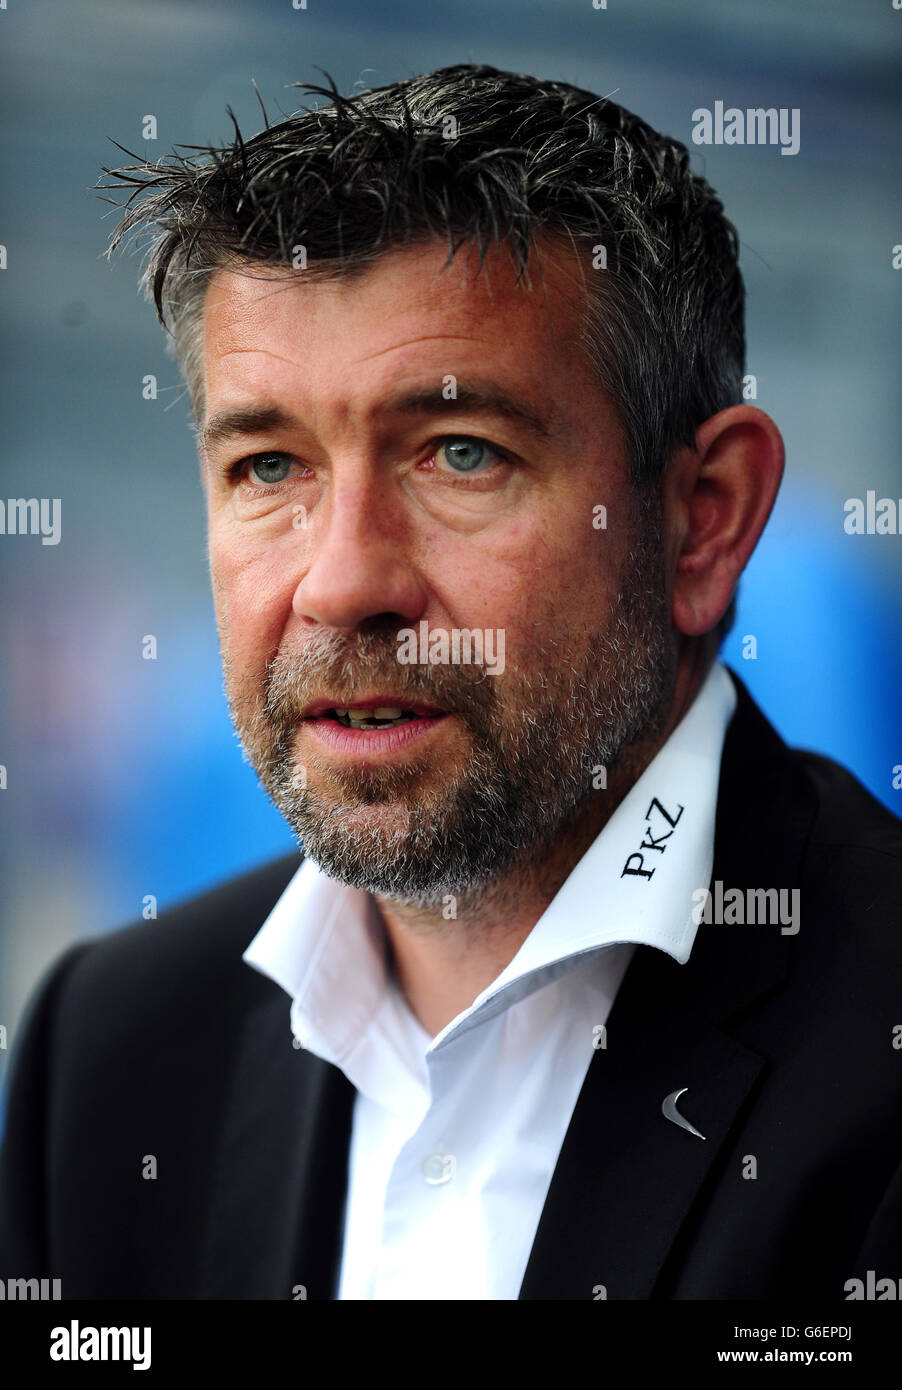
477 155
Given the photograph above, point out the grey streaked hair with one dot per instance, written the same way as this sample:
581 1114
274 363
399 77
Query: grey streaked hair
473 155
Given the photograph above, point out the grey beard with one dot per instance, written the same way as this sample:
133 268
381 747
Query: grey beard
526 777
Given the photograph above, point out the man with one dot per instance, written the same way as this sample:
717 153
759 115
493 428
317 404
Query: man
585 986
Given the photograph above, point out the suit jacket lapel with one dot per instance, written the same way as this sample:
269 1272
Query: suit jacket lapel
277 1202
626 1176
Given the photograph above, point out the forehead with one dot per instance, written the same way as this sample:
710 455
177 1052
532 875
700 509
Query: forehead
410 307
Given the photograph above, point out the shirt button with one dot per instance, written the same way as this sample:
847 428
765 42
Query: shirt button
439 1168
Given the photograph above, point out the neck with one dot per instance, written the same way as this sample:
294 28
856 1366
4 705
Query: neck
442 965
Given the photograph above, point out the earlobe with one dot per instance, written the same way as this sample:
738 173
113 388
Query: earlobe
723 494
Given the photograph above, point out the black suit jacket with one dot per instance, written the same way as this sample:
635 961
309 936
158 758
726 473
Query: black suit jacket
159 1041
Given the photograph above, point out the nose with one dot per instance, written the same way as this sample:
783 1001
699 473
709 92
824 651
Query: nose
359 563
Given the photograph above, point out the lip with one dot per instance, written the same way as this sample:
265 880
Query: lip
320 707
361 743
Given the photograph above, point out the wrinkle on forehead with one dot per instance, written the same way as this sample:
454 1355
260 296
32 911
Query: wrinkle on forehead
559 269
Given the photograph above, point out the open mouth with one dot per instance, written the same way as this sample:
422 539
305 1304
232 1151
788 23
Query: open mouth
380 725
385 719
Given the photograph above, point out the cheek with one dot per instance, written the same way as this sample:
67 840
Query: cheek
558 575
252 604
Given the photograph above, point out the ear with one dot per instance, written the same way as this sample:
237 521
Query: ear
718 499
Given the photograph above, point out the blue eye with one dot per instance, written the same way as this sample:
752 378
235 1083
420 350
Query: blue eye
269 468
464 454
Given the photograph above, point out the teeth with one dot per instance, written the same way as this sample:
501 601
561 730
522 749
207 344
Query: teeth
383 712
382 717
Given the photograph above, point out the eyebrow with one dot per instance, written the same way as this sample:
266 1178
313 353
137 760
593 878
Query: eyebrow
245 420
478 397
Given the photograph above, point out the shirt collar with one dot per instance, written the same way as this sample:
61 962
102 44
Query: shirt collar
325 944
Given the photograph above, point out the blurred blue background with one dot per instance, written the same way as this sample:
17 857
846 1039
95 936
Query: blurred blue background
124 776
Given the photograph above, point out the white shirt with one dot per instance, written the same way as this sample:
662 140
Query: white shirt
455 1138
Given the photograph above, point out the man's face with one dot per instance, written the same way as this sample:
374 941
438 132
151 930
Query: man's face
435 454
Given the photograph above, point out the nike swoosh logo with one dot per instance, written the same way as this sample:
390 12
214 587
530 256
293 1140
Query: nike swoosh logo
670 1112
